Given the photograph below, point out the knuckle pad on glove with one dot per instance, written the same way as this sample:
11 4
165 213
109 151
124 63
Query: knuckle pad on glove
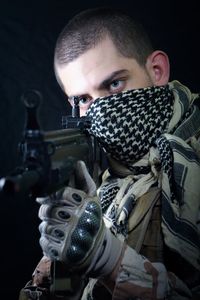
56 232
82 238
73 195
70 227
50 247
70 243
55 213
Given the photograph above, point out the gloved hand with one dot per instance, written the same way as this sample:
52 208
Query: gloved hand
73 231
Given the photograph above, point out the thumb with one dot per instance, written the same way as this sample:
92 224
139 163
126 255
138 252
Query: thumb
83 179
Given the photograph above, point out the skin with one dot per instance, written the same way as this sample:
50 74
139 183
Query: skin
103 71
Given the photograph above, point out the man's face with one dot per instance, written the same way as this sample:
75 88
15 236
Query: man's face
101 71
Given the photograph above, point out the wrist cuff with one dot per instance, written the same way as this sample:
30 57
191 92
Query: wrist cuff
106 257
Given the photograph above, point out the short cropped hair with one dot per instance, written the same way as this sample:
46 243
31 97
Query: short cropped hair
86 29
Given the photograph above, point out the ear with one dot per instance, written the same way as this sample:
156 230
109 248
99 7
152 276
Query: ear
158 67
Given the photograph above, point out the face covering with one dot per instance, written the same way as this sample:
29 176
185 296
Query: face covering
127 124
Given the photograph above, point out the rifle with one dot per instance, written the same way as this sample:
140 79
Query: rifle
48 158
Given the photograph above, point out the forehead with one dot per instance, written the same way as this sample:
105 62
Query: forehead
91 68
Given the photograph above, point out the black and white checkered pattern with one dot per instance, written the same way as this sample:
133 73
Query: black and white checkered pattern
127 123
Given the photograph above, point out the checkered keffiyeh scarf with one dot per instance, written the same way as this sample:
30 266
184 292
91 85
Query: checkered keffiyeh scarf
173 165
127 123
181 177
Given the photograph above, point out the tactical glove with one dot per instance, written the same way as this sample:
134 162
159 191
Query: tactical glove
73 230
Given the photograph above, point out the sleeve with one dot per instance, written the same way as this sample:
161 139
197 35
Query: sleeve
138 278
50 281
37 288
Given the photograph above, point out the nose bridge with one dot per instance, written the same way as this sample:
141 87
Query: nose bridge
97 93
94 96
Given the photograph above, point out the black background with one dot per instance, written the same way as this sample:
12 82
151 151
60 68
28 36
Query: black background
28 31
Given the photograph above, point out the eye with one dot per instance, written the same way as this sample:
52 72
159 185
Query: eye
83 100
116 86
84 103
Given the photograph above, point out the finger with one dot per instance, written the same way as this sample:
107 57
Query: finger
50 246
56 213
74 196
56 232
83 179
53 198
48 199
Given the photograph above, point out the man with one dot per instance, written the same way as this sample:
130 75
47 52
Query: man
138 236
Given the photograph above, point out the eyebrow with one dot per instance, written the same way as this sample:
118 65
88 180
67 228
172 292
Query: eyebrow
105 82
111 77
